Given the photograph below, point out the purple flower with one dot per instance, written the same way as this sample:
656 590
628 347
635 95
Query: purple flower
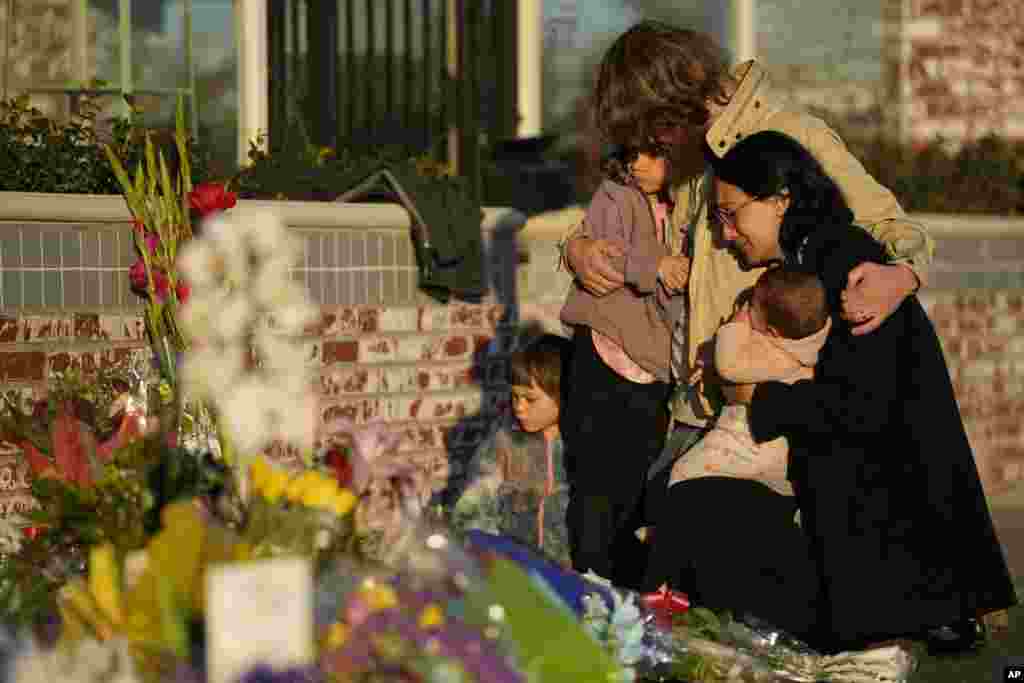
263 673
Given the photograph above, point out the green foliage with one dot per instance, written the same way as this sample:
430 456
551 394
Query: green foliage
38 154
981 177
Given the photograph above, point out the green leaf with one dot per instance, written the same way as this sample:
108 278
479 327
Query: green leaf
552 646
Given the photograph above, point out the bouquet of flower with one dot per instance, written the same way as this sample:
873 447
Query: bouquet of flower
662 638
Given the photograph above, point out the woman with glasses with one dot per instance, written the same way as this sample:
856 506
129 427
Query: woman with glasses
894 539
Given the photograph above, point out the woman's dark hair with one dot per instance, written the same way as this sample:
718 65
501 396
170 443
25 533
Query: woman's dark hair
656 75
768 164
545 360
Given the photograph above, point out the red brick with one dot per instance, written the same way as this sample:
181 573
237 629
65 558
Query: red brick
22 366
455 347
87 326
341 352
8 329
369 320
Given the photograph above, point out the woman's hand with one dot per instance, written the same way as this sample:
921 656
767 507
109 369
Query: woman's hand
674 273
873 292
591 261
738 393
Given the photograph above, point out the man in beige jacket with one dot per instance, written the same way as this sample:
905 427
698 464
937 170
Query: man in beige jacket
670 86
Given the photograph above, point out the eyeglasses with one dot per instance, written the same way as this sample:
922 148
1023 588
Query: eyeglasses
728 216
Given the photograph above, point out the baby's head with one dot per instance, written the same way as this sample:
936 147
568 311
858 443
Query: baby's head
536 376
788 303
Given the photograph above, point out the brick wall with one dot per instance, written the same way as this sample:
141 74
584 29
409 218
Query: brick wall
436 372
957 67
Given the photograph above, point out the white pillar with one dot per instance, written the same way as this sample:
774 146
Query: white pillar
529 69
80 42
734 25
744 30
253 67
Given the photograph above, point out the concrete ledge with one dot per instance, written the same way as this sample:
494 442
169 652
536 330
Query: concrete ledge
71 208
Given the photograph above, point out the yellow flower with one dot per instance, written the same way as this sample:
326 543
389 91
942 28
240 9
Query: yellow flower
275 486
337 635
343 502
259 473
321 493
379 596
431 616
242 552
105 581
298 486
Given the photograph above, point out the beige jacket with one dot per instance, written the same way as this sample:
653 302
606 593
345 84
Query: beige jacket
716 278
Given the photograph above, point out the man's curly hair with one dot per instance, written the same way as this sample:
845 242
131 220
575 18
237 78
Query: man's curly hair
655 76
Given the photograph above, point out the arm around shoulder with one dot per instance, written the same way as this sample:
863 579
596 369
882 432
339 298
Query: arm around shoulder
874 206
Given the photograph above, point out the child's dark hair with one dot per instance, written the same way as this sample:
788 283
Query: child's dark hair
792 301
544 360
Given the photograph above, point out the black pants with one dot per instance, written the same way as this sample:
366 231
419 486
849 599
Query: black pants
732 544
613 430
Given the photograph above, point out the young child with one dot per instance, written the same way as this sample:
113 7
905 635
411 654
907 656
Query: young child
516 484
776 336
617 417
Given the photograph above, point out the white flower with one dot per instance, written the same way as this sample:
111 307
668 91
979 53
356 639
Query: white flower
280 355
88 661
233 318
294 317
210 371
274 287
298 420
197 261
221 233
196 316
264 230
248 414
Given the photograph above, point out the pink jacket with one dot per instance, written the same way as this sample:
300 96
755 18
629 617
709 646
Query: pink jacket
639 316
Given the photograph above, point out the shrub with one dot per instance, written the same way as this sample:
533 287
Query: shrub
38 154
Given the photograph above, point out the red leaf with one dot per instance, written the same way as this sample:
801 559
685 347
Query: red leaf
72 444
37 462
129 430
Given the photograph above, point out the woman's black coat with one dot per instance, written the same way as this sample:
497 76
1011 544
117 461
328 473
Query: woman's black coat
885 478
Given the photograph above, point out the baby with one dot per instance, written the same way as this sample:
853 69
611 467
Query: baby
775 337
516 485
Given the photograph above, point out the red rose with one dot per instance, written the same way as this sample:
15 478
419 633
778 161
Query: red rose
183 291
137 276
211 197
340 463
31 532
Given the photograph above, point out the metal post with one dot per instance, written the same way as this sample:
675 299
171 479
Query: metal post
453 37
530 72
124 27
277 25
